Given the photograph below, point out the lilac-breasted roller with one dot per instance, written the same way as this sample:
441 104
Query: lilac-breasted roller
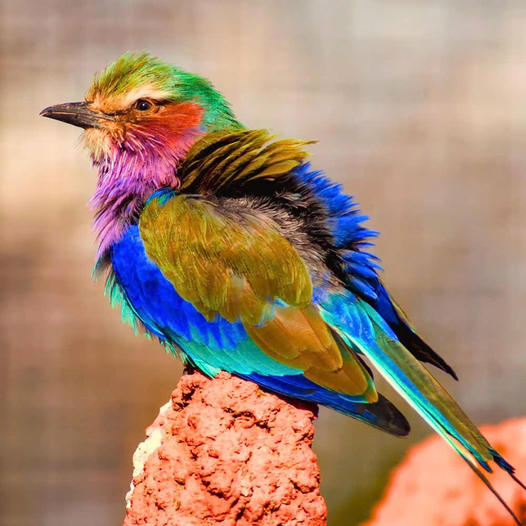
224 243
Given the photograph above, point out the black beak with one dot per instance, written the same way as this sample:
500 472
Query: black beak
76 113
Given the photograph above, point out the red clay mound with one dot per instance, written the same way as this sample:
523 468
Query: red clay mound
225 452
434 487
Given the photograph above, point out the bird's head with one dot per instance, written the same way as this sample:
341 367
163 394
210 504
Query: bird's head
140 117
146 108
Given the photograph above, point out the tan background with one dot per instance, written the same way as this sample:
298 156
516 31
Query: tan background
420 111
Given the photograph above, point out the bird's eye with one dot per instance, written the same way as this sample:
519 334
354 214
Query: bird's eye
143 105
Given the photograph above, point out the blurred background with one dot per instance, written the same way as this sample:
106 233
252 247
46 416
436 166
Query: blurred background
419 108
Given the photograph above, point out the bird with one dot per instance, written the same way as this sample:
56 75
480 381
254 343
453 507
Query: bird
225 244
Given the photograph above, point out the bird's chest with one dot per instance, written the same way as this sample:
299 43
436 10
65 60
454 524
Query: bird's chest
150 298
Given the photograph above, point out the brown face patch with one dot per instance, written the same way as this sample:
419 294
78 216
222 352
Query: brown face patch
144 121
99 141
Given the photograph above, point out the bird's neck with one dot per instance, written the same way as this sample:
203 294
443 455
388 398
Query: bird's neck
126 179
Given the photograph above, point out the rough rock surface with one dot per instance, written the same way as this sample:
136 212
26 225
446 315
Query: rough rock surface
225 452
434 487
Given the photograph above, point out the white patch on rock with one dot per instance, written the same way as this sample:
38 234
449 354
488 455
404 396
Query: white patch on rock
145 449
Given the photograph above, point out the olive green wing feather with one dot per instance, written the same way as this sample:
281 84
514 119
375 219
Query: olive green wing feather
242 268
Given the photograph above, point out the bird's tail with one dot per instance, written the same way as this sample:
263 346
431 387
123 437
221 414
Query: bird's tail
425 394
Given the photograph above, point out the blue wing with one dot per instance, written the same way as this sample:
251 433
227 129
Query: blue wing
369 319
146 295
